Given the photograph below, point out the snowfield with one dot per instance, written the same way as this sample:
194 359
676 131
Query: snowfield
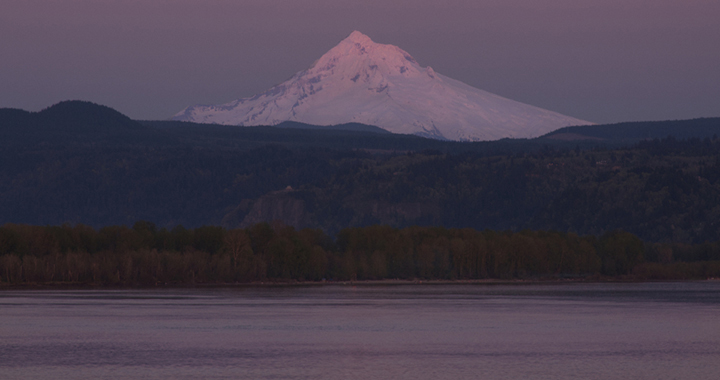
382 85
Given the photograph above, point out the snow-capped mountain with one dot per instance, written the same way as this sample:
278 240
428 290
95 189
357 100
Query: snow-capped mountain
365 82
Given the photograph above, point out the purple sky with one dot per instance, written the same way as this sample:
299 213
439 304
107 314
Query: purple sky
598 60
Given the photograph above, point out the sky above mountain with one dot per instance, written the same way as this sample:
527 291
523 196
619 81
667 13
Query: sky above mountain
597 60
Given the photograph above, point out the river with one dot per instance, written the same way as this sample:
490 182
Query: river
477 331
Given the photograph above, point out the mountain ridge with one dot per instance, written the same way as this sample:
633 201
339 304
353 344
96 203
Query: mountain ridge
640 130
365 82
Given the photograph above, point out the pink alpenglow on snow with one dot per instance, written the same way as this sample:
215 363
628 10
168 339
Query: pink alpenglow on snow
360 81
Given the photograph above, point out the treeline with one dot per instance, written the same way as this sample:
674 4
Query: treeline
147 256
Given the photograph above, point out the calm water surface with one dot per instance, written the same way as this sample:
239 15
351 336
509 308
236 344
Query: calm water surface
578 331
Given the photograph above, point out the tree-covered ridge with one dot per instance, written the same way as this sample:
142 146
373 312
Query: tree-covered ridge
67 118
665 191
82 163
79 123
146 255
642 130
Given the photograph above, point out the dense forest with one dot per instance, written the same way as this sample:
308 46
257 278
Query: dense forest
81 163
147 256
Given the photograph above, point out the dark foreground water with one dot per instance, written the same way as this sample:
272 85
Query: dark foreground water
577 331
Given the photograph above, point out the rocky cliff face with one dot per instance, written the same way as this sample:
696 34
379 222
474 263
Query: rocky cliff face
287 206
300 210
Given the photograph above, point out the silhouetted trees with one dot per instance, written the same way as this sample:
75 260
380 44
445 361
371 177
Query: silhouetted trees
146 255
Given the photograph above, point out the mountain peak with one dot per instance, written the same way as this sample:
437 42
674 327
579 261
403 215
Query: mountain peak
361 81
358 57
358 38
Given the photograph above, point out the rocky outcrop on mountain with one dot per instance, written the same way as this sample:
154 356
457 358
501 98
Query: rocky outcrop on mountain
288 206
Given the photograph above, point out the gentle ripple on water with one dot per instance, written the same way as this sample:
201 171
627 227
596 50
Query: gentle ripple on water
554 331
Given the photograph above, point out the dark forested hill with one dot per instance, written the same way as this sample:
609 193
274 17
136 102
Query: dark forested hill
78 162
72 123
65 119
637 131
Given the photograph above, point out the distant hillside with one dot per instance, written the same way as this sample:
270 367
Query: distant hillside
636 131
78 162
357 127
68 117
69 121
86 122
366 139
294 135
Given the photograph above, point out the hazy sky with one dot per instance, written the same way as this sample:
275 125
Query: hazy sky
598 60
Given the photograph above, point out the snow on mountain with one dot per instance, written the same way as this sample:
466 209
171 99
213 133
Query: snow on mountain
365 82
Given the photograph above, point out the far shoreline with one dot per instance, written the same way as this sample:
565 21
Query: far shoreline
361 283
